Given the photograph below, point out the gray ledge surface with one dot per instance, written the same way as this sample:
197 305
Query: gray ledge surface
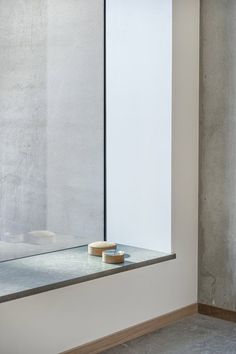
36 274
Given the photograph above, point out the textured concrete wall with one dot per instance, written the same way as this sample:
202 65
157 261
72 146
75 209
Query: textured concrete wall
75 118
217 226
22 115
51 120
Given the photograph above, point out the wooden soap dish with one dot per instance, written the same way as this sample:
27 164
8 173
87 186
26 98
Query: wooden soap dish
96 248
113 257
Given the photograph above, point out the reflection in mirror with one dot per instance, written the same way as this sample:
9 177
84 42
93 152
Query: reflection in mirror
51 125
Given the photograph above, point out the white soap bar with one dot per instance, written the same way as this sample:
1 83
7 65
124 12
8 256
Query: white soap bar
41 237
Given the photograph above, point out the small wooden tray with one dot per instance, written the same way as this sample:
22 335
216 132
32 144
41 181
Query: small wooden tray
96 248
113 257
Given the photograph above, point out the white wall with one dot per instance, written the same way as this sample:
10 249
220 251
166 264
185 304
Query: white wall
58 320
139 82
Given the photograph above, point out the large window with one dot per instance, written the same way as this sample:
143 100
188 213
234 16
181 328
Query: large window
64 116
51 125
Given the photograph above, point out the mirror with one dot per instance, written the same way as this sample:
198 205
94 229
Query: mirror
51 125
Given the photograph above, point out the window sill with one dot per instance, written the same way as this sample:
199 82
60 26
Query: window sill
37 274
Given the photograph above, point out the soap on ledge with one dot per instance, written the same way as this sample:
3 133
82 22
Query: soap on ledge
96 248
113 257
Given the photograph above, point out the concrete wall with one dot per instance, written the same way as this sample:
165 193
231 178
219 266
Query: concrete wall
51 121
217 224
58 320
75 118
23 121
